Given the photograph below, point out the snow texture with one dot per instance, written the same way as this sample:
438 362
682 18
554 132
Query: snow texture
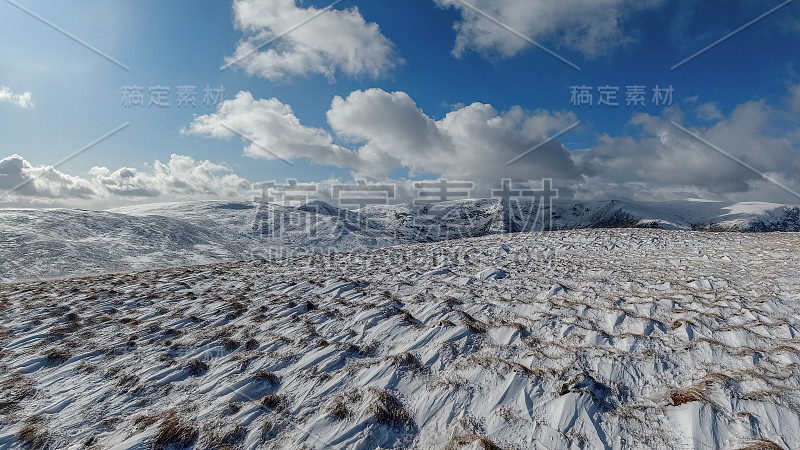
612 338
42 244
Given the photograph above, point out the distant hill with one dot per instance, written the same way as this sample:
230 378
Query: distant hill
61 242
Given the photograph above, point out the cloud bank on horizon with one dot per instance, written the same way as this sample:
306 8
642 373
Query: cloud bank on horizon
475 142
181 178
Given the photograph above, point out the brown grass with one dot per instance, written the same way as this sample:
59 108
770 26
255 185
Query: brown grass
174 432
408 360
493 363
694 393
340 406
409 319
387 410
34 433
460 441
17 388
143 422
196 367
126 381
226 439
230 344
760 444
474 325
251 344
274 402
56 357
263 375
338 409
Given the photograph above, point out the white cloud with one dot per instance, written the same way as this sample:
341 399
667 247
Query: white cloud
320 41
475 141
592 27
24 100
709 111
273 131
44 183
182 178
664 162
794 97
389 132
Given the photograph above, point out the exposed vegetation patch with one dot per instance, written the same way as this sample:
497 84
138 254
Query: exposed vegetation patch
175 432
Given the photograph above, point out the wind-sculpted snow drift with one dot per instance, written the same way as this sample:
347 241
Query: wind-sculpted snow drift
55 243
582 339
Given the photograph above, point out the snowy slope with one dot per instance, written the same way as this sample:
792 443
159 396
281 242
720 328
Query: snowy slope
585 339
55 243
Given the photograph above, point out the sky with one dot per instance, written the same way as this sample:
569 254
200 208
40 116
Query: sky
397 91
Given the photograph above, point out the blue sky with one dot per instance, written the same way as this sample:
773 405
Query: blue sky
76 94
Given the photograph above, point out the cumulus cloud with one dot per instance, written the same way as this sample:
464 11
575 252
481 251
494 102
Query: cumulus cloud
308 41
389 131
709 111
24 100
386 131
182 178
665 162
794 97
271 131
474 141
592 27
44 182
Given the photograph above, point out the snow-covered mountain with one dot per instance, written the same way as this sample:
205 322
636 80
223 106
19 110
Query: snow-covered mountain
56 243
582 339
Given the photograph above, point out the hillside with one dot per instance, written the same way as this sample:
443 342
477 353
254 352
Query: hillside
56 243
569 339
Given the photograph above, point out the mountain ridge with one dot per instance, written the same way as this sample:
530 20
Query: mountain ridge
63 242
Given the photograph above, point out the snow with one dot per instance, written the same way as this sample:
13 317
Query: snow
590 338
45 244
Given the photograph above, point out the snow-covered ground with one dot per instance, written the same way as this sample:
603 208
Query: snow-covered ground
36 244
612 338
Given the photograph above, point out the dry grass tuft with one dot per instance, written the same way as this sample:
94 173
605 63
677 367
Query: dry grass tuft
196 367
387 410
474 325
471 441
143 422
695 393
494 364
340 407
263 375
34 433
231 438
230 344
408 360
56 357
409 319
174 432
126 381
14 390
274 402
760 444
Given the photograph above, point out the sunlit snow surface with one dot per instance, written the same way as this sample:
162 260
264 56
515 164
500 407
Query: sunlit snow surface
611 338
41 244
